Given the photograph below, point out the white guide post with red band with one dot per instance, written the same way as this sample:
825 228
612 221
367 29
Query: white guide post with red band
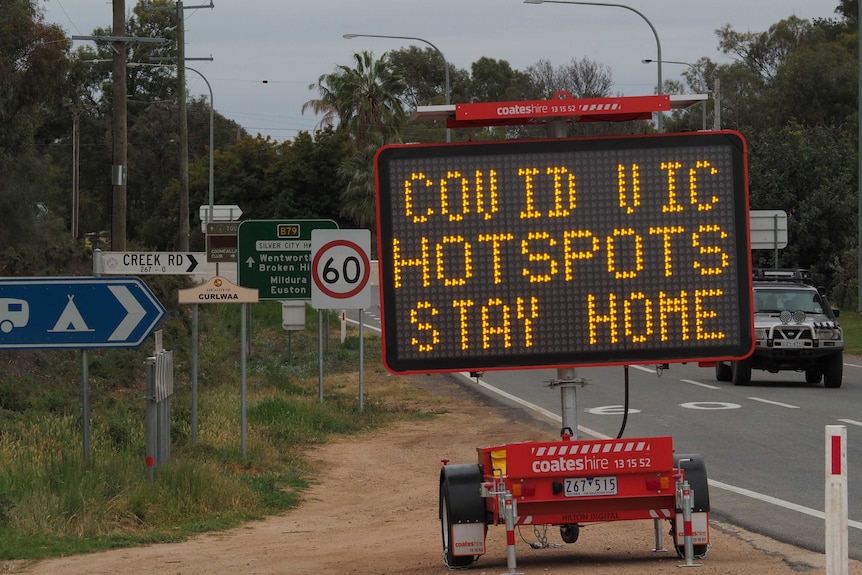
837 562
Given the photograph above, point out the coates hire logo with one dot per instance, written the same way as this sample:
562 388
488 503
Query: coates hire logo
582 457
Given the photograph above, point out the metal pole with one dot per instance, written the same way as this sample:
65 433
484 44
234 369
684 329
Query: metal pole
195 374
212 142
445 63
361 362
85 403
659 91
320 354
243 359
149 398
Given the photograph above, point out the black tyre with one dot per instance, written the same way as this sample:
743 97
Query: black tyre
446 528
723 371
813 375
460 502
741 371
833 371
569 532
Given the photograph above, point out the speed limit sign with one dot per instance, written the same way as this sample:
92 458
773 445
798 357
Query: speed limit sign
340 269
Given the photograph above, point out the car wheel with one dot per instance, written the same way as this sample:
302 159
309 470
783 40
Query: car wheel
833 372
741 371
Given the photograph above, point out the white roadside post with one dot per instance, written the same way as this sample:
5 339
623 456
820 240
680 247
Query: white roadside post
837 553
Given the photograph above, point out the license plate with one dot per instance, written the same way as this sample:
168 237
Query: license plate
793 343
590 486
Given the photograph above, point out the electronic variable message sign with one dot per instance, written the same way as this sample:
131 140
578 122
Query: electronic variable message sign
564 252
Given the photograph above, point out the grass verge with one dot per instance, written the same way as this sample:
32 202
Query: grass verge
53 503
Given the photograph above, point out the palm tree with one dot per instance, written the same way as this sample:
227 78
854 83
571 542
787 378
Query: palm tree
364 99
358 198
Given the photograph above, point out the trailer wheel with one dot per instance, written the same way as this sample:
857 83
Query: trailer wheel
569 533
460 502
723 371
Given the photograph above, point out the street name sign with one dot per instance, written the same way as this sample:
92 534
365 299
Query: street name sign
341 269
274 257
153 263
76 313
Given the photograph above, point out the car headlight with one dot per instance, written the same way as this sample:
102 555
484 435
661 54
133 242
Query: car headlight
828 333
760 333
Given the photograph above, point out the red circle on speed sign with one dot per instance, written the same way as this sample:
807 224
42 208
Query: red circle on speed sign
349 251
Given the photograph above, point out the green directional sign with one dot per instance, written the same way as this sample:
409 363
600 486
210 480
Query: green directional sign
274 257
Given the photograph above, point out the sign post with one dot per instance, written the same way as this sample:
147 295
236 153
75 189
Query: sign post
837 552
341 273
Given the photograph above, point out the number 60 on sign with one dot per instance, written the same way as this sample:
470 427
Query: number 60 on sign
340 269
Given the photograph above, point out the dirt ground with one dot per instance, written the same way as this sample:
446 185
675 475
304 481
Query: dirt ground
373 510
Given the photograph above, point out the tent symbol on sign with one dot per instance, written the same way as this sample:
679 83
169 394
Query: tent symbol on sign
70 320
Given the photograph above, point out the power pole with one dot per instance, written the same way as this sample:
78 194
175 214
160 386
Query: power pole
119 132
184 230
184 129
119 136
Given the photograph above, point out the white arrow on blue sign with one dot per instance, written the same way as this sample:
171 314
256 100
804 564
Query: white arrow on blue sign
76 313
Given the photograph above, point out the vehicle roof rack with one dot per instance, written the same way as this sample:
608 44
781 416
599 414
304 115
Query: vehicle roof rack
782 274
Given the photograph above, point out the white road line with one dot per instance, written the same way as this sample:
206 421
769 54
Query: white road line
365 324
712 483
776 501
778 403
851 422
699 384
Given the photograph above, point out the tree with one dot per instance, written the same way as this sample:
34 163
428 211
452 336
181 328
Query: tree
364 99
33 65
804 171
582 78
496 81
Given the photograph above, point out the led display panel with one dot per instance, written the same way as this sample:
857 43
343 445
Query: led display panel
545 253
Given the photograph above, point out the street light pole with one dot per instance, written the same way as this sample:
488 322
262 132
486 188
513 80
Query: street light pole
696 71
445 63
212 124
659 118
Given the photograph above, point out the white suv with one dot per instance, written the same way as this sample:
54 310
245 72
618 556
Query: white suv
794 329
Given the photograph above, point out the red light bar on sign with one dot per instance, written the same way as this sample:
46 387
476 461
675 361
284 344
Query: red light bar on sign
544 253
575 109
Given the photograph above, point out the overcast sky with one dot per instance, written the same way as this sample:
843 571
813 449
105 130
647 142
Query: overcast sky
290 43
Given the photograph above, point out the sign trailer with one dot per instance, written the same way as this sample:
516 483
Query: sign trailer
562 253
